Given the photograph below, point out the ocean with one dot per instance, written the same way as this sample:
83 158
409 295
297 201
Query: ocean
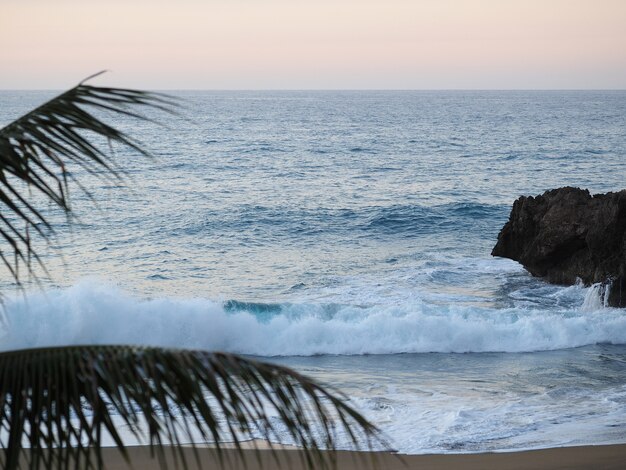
348 235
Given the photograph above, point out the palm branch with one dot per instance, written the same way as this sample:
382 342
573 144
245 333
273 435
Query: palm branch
38 152
61 402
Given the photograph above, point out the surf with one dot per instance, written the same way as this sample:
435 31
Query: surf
93 313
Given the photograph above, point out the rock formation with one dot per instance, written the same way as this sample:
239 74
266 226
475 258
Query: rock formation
566 234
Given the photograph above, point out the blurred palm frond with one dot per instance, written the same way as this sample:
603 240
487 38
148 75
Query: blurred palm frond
39 150
63 401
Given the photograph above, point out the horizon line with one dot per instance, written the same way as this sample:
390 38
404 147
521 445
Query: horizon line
338 89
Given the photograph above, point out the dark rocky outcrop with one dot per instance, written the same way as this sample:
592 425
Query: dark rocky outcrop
566 234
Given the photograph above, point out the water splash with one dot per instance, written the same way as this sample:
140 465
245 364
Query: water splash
597 297
100 314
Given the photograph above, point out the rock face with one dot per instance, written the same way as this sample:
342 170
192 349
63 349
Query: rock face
566 234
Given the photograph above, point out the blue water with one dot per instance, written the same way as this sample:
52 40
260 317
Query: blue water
348 235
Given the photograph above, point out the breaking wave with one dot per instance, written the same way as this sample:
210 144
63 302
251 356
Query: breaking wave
98 314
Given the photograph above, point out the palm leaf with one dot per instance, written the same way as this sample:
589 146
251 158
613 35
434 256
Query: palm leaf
62 402
168 396
39 150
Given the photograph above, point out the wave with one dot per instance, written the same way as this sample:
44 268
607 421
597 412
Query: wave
436 219
95 314
400 219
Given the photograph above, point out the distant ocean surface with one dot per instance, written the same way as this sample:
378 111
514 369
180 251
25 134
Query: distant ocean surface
348 235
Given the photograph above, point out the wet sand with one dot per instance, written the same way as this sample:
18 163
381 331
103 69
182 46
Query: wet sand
583 457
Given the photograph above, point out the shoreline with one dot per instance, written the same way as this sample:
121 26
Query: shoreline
580 457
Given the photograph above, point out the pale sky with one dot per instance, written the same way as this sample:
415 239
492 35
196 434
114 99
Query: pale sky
322 44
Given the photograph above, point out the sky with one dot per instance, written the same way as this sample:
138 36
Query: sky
321 44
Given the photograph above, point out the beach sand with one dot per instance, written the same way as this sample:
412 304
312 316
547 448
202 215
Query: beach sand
583 457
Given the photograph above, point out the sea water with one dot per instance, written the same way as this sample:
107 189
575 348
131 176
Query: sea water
348 235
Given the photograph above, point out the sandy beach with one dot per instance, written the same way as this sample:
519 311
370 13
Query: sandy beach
583 457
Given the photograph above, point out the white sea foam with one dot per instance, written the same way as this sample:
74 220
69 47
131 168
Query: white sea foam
461 419
100 314
596 298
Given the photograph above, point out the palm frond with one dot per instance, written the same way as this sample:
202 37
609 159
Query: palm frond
63 401
38 151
